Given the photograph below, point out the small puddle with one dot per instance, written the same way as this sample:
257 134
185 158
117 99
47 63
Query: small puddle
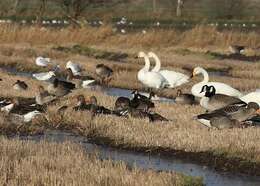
154 162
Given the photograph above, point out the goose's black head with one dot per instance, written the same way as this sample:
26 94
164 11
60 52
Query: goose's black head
211 91
204 88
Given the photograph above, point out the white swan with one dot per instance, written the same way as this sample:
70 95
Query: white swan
150 79
252 97
221 88
44 76
75 68
43 62
174 78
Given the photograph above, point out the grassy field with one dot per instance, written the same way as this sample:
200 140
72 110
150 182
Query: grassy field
232 149
46 163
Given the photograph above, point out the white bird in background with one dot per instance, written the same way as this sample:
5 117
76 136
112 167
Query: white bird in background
43 62
174 78
75 68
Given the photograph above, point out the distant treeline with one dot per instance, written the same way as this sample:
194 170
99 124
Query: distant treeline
137 9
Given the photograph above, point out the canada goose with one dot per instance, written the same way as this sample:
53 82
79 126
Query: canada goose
20 85
181 98
212 101
236 49
150 79
60 88
221 88
239 112
43 97
174 78
80 81
104 72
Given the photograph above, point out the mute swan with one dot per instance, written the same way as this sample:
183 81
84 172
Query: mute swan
174 78
75 68
221 88
43 62
150 79
252 97
44 76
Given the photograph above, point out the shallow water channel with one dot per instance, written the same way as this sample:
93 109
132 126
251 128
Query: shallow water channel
146 161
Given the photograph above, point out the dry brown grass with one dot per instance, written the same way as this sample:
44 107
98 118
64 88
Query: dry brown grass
200 37
45 163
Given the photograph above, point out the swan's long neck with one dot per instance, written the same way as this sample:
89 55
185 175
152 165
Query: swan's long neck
147 64
205 75
157 63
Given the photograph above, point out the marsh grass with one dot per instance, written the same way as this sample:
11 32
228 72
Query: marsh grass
48 163
105 35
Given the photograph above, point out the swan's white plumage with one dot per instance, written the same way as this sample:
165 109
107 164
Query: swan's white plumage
75 68
150 79
221 88
174 78
43 62
44 76
252 97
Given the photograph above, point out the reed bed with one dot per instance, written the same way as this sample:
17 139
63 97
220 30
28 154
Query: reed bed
48 163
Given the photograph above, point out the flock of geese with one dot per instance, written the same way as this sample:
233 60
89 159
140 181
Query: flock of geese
225 106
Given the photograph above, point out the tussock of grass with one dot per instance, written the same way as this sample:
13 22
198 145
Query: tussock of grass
45 163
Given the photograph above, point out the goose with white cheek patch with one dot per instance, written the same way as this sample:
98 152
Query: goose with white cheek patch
212 101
